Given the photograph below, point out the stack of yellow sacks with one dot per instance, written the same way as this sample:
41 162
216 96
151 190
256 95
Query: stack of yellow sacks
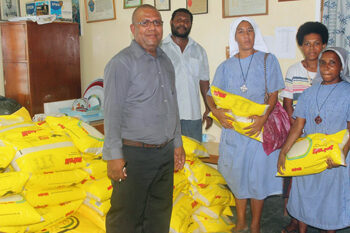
201 201
52 177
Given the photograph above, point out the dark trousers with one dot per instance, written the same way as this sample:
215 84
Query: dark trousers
143 202
192 129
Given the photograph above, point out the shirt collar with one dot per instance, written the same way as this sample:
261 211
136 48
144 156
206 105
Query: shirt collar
169 40
139 51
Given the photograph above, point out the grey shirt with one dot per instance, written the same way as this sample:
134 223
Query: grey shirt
139 100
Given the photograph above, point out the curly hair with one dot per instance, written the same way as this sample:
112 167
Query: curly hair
312 27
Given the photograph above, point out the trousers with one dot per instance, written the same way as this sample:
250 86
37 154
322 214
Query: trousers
142 203
192 129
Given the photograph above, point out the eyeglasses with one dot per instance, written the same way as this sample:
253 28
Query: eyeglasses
147 23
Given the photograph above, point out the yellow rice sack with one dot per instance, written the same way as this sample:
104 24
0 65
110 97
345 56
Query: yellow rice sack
45 198
101 208
85 137
241 109
40 150
7 120
23 112
96 168
52 180
308 155
7 153
16 211
221 224
100 190
212 195
181 183
183 208
193 148
213 211
54 214
16 229
92 216
201 174
74 224
12 182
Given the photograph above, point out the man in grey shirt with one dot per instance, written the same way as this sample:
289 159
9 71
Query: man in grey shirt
142 130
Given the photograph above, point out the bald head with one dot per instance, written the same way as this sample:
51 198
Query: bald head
139 9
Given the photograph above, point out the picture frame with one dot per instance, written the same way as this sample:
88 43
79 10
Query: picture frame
9 9
197 7
235 8
99 10
162 5
131 3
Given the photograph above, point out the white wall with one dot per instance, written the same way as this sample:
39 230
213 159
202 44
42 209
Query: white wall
102 40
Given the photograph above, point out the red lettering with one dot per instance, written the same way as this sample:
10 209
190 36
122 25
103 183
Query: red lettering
207 174
73 160
43 194
43 137
69 213
194 204
217 197
26 133
110 187
220 94
62 126
296 169
318 150
202 185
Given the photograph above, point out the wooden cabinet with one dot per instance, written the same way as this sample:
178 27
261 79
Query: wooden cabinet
41 63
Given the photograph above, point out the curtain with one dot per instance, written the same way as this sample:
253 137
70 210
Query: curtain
336 16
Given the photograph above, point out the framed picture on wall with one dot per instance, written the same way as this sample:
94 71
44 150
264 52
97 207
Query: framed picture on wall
99 10
132 3
162 5
234 8
9 9
197 6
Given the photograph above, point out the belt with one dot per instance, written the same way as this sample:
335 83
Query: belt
128 142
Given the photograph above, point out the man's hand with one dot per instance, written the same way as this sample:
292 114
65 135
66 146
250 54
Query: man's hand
116 170
179 158
208 120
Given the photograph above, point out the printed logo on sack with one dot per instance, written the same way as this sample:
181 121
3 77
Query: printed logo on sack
220 94
319 150
73 160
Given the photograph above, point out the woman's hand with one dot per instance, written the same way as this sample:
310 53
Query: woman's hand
281 162
331 164
220 114
256 127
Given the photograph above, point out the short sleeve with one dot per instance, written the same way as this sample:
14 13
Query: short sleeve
287 92
219 78
274 75
300 109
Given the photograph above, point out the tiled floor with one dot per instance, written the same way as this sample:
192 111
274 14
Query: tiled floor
273 220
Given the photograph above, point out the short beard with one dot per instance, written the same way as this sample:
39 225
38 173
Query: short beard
176 34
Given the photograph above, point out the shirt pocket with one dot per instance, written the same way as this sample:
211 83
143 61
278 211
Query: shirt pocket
194 66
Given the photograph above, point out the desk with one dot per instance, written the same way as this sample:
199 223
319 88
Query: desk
213 150
98 125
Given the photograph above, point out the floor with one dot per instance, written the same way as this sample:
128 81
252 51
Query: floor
272 220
